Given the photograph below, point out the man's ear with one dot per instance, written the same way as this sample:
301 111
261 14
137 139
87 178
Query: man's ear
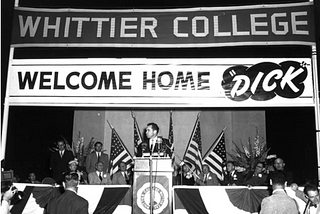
285 183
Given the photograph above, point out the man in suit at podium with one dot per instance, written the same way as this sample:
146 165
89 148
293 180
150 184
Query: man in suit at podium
154 144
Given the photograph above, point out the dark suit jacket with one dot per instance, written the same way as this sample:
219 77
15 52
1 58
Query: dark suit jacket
144 147
70 203
60 165
92 159
211 180
235 178
119 179
260 180
279 203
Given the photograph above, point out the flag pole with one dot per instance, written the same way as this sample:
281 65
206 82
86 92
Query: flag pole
194 128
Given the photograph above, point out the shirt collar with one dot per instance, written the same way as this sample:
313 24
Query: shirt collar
278 190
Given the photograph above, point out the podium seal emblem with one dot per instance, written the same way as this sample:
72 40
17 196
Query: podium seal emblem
160 198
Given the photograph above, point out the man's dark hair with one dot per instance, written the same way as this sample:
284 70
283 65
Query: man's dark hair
310 187
278 178
71 176
71 179
154 126
96 143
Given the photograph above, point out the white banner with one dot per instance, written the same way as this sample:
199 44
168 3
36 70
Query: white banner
161 82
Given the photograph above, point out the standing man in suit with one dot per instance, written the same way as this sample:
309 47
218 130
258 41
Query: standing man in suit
279 202
59 161
99 177
207 178
122 177
154 143
69 202
96 156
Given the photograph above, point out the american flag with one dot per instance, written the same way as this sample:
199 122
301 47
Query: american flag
193 153
170 138
119 153
137 138
216 156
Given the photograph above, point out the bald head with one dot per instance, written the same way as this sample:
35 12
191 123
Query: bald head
279 164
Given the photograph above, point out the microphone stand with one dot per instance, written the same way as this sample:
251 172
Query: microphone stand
151 179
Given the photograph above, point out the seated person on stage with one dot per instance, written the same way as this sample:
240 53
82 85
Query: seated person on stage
122 177
73 167
155 144
186 177
207 178
258 177
279 166
232 177
310 195
32 178
99 176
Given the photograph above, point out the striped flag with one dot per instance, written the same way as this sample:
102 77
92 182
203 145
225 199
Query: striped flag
170 138
137 138
216 156
193 153
118 153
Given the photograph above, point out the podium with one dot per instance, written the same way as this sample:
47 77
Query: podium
161 185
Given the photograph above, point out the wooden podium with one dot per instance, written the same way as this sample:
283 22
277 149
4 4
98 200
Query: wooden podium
161 185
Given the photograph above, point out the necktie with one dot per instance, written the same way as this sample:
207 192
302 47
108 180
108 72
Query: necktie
61 154
99 156
205 179
100 176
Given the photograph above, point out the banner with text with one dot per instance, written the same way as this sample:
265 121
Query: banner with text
162 82
276 24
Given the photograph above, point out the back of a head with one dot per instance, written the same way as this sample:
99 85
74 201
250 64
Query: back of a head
5 186
71 179
278 178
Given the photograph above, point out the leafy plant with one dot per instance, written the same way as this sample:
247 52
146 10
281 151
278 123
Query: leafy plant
249 155
80 152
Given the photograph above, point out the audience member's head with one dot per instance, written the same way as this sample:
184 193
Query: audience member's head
279 164
73 165
186 167
260 167
278 180
99 166
98 146
230 166
312 193
122 166
71 180
61 145
32 177
205 169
